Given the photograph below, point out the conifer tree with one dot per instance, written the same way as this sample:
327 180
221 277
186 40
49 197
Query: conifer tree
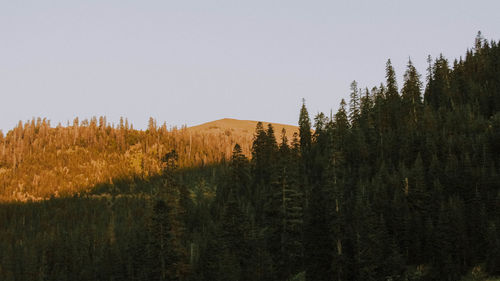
287 213
164 257
437 91
354 103
304 129
411 94
240 175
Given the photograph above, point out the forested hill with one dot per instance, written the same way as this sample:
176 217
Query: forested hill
38 161
402 183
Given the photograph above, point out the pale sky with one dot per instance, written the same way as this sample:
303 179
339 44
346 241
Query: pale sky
188 62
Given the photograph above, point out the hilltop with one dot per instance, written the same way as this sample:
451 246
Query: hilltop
241 127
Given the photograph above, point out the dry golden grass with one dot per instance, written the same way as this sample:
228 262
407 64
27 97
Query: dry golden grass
241 128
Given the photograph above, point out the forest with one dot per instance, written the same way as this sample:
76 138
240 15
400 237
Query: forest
401 183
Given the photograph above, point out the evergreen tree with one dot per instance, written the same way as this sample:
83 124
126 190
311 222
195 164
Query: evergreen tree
437 91
411 94
304 129
354 103
287 211
240 174
164 257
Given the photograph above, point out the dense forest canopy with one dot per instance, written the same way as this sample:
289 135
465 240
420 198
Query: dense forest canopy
402 183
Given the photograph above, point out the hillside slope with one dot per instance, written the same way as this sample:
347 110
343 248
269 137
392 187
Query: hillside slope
38 160
241 127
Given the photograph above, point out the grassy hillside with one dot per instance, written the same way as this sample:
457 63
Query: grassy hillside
241 129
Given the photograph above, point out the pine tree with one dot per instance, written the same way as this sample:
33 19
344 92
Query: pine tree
437 91
341 126
235 249
264 150
411 94
164 257
238 183
391 96
304 129
354 103
286 216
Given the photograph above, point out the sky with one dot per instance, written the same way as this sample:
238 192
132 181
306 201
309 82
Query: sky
188 62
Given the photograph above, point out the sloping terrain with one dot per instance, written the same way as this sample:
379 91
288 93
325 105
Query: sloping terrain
242 127
38 160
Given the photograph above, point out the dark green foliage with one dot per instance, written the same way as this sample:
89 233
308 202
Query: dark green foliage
304 128
354 103
163 256
406 181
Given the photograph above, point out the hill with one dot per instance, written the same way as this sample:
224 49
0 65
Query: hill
241 127
38 160
241 131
